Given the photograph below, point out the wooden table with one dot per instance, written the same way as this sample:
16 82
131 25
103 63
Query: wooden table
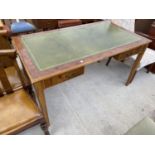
54 56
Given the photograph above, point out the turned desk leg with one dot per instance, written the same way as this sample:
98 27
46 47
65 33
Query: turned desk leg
39 88
134 68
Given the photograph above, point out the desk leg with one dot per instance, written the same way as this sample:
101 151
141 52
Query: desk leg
39 88
134 68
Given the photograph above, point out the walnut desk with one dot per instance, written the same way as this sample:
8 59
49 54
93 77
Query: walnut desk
54 56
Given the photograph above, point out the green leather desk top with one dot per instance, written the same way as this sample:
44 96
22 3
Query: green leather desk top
53 48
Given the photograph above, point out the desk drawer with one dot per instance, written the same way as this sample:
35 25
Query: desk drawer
129 53
63 77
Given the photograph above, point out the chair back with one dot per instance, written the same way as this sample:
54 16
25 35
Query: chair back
68 22
7 59
8 22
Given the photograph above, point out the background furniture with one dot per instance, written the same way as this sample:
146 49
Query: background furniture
10 70
22 27
143 25
12 73
4 41
150 34
17 109
16 26
68 22
50 24
30 25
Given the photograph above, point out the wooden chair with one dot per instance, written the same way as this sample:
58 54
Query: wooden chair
68 22
18 111
149 56
150 35
16 26
11 72
4 39
1 24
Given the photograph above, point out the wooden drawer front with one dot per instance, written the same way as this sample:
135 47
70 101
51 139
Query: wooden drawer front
63 77
122 56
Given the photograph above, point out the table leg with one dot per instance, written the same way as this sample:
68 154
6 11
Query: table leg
39 88
134 68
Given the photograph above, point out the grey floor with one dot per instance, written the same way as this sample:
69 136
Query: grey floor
98 102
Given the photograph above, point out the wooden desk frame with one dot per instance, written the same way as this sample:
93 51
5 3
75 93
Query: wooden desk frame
38 78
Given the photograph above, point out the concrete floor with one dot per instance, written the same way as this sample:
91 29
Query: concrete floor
98 102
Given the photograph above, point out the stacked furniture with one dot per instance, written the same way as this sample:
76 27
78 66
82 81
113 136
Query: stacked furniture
150 34
45 24
50 24
69 22
11 71
4 39
16 26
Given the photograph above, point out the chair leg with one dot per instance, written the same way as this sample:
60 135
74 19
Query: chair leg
107 63
31 92
44 127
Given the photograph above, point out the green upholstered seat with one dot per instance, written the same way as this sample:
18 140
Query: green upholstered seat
54 48
144 127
